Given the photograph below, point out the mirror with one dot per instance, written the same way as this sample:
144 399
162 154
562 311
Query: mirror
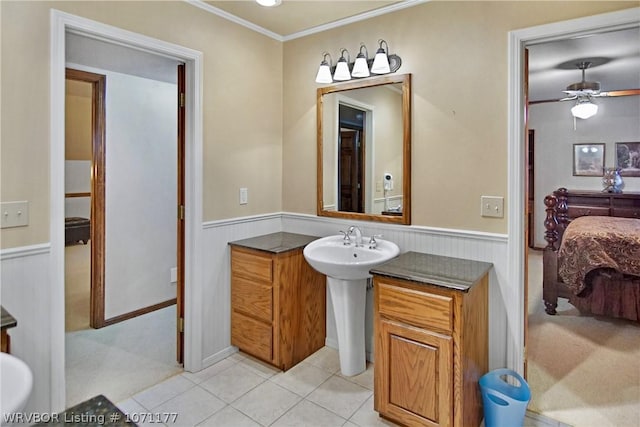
364 149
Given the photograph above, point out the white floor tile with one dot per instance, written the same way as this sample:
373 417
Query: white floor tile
302 379
309 414
326 358
232 383
258 367
191 407
266 403
206 373
364 379
160 393
340 396
365 416
136 413
229 416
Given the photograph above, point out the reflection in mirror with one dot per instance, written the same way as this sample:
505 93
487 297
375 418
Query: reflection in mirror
363 149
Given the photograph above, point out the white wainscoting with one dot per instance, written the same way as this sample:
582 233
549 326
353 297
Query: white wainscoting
216 289
26 294
478 246
26 290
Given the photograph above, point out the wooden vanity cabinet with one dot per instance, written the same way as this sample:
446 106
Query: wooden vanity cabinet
430 351
277 306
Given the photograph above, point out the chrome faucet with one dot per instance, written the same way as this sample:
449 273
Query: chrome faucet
358 235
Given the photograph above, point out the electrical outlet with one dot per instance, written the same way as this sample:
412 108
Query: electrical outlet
14 214
244 196
492 206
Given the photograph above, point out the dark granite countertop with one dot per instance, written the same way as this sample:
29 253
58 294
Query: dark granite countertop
97 411
454 273
276 242
8 321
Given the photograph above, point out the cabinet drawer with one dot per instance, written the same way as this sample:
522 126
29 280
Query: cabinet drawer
252 336
627 212
251 264
252 297
577 211
417 308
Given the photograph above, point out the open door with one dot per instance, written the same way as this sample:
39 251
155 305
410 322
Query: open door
180 225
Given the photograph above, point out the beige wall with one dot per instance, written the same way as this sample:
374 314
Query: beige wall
260 133
242 123
457 54
77 129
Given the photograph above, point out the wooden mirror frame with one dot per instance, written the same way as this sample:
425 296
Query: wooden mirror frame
405 80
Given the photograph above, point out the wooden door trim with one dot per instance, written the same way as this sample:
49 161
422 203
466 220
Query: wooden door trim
98 131
180 240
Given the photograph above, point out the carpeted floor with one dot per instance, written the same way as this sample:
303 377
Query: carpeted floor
118 360
583 371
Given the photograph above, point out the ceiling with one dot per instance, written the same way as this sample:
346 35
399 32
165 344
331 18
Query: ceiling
297 17
552 65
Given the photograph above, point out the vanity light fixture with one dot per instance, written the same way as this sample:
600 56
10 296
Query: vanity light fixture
361 66
342 67
381 60
324 72
584 108
269 3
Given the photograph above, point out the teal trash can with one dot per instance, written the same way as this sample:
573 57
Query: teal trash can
505 405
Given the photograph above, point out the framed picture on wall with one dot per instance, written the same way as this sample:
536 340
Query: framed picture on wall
628 158
588 159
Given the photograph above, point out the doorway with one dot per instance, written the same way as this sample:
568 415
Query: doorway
518 245
351 158
61 24
134 244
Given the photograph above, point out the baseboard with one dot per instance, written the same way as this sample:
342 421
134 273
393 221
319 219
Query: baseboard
215 358
139 312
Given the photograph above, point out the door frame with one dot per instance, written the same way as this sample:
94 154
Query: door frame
516 246
97 228
61 23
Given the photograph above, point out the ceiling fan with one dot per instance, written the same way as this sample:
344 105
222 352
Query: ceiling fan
586 90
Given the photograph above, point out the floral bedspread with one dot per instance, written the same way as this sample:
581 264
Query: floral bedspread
593 242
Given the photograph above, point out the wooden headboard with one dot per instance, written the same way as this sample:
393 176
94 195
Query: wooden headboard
564 205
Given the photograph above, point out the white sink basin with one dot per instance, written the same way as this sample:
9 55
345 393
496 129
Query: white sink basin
331 257
16 384
347 270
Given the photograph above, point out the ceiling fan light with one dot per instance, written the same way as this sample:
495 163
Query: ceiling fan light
584 109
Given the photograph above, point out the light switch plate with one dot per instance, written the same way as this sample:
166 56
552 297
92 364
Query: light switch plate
14 214
244 196
492 206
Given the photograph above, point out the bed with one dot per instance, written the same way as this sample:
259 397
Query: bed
592 256
76 229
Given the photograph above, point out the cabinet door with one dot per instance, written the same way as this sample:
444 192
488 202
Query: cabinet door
413 377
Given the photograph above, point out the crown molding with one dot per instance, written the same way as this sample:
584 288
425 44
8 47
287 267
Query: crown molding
233 18
318 29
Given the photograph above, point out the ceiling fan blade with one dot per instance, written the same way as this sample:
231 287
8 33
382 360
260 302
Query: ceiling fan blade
569 98
613 93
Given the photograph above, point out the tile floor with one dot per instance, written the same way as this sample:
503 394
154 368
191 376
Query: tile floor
240 391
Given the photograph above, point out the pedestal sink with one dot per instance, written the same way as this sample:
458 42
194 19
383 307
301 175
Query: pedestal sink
16 384
346 263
